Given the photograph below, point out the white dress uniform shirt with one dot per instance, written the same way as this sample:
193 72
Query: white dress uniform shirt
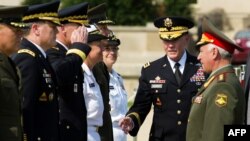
118 103
94 104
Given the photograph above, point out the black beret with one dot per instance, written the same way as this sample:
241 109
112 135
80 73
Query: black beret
74 14
171 28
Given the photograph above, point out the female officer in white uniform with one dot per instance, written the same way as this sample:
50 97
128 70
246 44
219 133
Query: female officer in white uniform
91 89
117 95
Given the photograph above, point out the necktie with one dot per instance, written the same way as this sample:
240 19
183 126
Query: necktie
177 73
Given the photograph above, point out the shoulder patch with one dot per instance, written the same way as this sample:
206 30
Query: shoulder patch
221 100
146 65
27 51
56 48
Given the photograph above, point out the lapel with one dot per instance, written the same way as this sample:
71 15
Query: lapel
39 56
166 70
61 48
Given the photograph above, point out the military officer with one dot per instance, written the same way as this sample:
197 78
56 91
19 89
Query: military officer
97 16
40 105
66 59
93 92
220 101
10 93
117 94
168 83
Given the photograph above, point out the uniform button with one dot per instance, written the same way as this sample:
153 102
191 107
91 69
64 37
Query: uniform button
178 101
67 126
188 120
178 112
156 91
178 90
59 110
49 86
179 122
38 138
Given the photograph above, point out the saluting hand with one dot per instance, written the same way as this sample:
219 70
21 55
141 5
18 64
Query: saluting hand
80 35
126 124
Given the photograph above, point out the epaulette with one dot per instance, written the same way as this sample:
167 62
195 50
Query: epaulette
55 48
221 78
208 82
27 51
146 65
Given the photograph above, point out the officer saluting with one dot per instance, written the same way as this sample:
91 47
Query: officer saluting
40 105
166 85
10 92
66 59
220 101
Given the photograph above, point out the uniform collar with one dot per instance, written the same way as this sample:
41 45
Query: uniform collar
39 48
181 62
64 46
86 69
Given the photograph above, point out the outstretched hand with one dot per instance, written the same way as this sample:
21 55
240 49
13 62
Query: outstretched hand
126 124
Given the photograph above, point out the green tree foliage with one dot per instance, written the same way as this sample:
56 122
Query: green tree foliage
134 12
31 2
178 8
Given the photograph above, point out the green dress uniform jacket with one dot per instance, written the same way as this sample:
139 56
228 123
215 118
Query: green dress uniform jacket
219 102
101 75
10 105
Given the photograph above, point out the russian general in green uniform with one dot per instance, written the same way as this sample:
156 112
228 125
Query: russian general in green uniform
220 101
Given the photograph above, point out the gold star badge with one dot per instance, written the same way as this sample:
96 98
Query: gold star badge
221 100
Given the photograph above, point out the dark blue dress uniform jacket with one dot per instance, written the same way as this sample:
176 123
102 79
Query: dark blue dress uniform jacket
73 113
40 104
172 102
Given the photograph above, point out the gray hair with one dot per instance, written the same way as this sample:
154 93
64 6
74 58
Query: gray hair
224 54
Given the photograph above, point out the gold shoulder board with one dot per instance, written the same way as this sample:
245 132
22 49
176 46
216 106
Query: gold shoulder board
146 65
27 51
221 78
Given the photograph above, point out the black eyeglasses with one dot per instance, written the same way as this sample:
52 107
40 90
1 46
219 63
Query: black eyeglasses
111 49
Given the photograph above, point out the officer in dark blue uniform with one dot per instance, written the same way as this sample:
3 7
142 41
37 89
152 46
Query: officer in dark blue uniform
40 104
168 83
66 59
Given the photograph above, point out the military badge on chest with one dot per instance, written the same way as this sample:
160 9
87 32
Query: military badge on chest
198 99
157 83
47 77
199 77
